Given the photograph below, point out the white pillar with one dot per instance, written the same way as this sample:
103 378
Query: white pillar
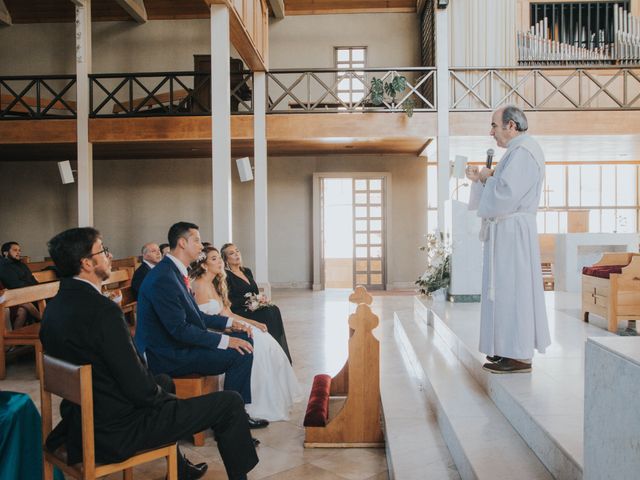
221 125
442 75
85 148
260 181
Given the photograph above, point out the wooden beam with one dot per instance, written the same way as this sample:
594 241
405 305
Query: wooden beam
135 8
5 16
241 39
37 131
277 7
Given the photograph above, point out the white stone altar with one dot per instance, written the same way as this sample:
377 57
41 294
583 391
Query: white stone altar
463 227
576 250
611 421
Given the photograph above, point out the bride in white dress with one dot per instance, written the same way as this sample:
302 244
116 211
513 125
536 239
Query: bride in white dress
274 387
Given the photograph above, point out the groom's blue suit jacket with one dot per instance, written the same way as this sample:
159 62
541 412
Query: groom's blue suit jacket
170 327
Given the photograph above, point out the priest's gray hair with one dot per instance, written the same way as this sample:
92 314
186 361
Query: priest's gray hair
513 114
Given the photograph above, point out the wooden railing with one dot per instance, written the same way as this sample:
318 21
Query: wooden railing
37 96
546 88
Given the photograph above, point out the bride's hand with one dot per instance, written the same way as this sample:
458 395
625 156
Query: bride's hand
258 325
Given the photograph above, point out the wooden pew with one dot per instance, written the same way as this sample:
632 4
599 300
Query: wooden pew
19 108
120 282
358 422
340 382
128 263
39 266
616 298
29 334
45 276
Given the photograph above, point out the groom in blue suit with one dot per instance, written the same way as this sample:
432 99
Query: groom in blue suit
176 337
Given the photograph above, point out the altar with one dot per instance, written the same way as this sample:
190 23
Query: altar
576 250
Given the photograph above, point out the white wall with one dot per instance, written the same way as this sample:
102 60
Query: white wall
136 201
299 41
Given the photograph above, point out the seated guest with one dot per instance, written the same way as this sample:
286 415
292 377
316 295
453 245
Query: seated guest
175 335
241 286
133 411
164 249
15 274
150 257
274 387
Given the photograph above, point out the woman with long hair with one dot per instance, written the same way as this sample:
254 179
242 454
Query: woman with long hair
241 284
274 387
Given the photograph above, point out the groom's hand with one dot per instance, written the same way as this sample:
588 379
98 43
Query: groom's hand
237 326
242 346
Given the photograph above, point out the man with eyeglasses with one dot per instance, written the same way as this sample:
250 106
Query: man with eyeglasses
133 410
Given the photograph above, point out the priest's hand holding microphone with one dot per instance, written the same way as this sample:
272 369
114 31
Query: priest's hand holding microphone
474 174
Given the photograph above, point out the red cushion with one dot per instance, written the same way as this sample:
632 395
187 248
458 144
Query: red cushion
602 271
318 406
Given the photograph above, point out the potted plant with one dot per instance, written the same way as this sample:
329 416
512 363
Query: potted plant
397 85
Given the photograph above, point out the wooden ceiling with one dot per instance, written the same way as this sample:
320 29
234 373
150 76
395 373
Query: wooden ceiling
57 11
323 7
202 149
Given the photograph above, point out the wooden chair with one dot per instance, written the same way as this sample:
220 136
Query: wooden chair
358 423
195 385
73 383
29 334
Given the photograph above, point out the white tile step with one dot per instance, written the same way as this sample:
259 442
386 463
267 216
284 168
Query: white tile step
414 445
481 440
548 416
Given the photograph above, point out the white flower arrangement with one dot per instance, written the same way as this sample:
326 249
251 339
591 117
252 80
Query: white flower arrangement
437 274
256 301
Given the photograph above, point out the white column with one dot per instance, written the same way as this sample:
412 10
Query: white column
260 180
221 125
85 148
442 75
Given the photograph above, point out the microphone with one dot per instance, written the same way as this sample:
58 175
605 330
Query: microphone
490 153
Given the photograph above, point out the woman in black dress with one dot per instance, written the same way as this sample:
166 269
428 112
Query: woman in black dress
240 282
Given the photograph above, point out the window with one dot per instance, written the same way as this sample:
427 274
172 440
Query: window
351 85
610 192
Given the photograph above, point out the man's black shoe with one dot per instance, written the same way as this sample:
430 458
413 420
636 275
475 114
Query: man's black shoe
494 358
189 471
256 442
257 422
507 365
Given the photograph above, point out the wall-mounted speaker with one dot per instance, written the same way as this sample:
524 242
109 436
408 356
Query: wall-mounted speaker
459 165
66 175
244 169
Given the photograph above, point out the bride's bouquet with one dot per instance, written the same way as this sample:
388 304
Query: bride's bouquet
256 301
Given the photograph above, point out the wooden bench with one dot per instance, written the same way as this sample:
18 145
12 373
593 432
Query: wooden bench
45 276
611 289
120 282
20 107
29 334
195 385
39 266
357 423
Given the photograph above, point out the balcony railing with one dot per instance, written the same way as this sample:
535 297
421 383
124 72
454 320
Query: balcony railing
163 94
37 97
328 90
546 88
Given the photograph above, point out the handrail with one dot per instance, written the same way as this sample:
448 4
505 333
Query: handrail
37 97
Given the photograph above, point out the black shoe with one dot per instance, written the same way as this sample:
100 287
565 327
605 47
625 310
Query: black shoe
507 365
494 358
189 471
257 422
256 442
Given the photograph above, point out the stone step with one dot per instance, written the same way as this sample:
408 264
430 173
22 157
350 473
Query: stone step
481 441
414 445
546 416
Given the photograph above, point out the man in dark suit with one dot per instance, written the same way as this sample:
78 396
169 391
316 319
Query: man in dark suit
15 274
174 334
150 257
132 411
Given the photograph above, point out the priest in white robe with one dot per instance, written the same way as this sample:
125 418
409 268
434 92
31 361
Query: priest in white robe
513 317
